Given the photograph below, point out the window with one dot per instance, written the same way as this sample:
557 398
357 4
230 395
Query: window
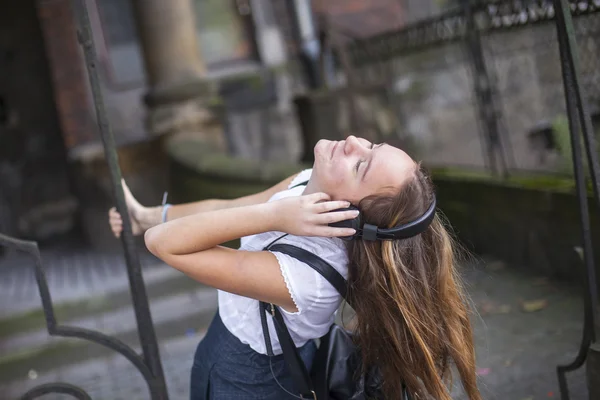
224 30
123 52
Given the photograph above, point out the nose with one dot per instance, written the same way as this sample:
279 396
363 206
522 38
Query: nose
352 145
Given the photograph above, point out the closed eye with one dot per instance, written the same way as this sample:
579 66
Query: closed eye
361 161
373 146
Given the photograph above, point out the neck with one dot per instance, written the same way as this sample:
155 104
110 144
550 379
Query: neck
311 187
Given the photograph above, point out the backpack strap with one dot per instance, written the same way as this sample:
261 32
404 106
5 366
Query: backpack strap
315 262
299 184
296 367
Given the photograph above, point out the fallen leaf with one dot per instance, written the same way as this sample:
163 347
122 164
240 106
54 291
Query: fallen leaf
504 309
508 363
534 305
488 308
495 265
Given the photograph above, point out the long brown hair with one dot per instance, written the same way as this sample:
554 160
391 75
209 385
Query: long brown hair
412 318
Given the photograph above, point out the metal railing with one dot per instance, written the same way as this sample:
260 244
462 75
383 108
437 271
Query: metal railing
148 363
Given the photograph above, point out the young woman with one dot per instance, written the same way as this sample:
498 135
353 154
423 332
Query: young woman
411 317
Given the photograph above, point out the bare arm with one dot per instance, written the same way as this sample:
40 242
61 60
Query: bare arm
182 210
143 218
191 244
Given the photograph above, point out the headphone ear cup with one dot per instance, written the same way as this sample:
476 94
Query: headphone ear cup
354 223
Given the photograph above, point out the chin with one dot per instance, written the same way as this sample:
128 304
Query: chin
319 151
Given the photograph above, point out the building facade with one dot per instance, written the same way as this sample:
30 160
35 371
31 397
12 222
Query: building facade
166 67
158 62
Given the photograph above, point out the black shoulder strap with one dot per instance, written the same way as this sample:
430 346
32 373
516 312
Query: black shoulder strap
298 371
299 184
300 376
315 262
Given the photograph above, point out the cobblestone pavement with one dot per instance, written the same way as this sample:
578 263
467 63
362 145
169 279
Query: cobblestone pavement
525 326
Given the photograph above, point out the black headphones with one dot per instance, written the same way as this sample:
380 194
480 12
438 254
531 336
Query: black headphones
371 232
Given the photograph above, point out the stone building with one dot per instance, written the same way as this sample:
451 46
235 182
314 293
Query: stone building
158 62
166 67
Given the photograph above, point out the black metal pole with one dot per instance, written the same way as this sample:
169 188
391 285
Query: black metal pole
136 281
579 119
493 144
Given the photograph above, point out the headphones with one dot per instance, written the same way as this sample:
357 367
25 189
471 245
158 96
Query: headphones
371 232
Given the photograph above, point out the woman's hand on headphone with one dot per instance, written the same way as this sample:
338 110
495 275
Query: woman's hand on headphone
310 215
136 212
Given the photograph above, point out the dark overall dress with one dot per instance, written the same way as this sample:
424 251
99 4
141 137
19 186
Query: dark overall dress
227 369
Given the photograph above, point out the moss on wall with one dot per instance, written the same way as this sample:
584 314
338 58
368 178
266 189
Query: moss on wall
534 225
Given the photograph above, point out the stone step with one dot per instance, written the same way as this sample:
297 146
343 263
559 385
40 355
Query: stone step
113 376
160 282
72 274
173 315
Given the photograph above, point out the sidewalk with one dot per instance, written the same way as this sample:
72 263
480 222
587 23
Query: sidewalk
526 326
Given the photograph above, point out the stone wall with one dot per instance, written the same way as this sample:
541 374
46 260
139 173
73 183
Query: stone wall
433 92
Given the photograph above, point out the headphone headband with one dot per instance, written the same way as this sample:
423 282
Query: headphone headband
372 232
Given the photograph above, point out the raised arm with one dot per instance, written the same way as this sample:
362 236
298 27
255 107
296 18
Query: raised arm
144 218
191 244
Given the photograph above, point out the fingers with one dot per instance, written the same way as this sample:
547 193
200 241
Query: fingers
115 221
317 197
337 216
334 232
129 199
331 205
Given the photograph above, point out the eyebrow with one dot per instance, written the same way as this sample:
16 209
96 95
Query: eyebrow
371 160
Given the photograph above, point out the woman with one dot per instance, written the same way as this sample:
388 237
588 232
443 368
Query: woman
411 317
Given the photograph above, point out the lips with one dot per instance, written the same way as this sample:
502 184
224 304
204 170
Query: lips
333 149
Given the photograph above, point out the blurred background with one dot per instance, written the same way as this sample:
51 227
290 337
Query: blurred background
221 98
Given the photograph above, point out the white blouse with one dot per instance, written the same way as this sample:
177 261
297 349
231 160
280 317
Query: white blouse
315 299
